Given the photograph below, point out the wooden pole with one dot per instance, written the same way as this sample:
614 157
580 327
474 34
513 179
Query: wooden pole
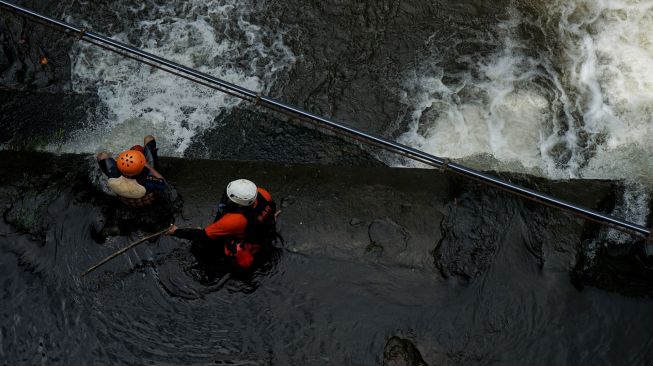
122 251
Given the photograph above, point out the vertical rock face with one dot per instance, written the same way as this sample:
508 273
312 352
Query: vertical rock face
401 352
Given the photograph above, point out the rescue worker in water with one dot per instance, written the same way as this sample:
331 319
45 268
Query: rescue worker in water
244 226
133 176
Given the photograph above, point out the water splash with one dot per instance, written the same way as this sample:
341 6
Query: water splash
575 101
609 60
507 106
220 38
633 206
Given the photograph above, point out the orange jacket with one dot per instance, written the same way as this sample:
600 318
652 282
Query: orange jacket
233 225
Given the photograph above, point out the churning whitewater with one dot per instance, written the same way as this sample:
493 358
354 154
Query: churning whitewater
220 38
560 89
566 92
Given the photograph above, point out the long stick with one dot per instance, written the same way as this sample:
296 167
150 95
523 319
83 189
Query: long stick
122 251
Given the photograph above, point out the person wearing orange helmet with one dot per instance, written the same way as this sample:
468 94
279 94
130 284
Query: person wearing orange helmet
243 228
132 175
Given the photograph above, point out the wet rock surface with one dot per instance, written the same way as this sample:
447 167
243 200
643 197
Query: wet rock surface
460 230
259 135
33 57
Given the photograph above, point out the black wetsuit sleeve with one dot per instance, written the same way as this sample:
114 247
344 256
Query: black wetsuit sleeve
196 235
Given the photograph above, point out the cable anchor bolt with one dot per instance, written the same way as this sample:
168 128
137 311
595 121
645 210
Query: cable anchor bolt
82 33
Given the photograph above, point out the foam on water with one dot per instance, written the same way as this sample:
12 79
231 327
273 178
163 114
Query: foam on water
610 62
633 206
589 116
499 109
142 100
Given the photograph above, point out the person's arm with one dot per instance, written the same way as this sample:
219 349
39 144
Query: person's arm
230 225
190 233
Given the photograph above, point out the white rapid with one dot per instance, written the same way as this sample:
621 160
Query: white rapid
576 104
218 37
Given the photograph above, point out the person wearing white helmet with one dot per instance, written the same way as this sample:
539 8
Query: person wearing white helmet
245 223
242 191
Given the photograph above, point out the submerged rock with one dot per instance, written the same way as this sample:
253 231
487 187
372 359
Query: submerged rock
481 222
390 237
471 233
401 352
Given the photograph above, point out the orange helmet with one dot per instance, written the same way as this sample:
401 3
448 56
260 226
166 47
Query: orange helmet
131 162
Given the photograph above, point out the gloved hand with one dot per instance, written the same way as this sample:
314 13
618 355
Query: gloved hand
171 230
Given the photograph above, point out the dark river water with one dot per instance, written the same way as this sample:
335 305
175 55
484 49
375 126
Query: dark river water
415 262
380 265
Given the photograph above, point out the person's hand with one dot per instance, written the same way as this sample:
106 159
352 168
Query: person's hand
171 230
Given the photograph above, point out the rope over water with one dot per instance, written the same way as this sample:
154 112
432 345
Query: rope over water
328 124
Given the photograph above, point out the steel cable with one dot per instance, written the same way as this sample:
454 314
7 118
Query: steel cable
323 123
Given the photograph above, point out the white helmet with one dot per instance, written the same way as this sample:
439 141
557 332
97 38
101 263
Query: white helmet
242 192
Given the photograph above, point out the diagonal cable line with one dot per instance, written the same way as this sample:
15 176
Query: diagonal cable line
326 123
